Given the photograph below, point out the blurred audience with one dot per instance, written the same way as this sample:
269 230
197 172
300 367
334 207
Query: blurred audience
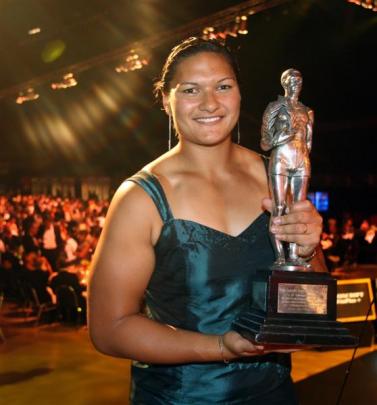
49 241
349 245
46 241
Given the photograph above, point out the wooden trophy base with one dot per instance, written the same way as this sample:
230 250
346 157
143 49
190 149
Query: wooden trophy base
293 309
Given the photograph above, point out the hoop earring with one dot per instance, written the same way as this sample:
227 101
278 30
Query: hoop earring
169 139
238 133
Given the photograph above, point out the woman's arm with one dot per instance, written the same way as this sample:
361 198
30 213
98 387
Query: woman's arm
122 266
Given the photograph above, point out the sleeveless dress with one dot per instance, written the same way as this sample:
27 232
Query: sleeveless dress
201 282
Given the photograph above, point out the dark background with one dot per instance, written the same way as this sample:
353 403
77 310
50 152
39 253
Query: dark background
110 124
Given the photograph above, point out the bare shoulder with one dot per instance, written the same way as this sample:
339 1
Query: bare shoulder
168 169
133 209
255 162
254 165
129 199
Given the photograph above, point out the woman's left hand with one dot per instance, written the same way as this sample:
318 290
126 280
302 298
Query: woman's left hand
302 225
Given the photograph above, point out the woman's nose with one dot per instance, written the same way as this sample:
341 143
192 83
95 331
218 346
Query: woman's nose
209 102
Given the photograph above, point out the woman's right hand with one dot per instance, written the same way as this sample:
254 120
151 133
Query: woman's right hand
235 346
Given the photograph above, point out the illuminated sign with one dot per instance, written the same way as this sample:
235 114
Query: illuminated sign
353 300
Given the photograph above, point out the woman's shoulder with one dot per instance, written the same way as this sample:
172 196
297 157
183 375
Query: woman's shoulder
252 158
130 199
131 211
254 165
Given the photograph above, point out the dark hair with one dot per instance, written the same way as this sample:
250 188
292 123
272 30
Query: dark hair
186 48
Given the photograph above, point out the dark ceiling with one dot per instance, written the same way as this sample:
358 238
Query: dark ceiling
110 125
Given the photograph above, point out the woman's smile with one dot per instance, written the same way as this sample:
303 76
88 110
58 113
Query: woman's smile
212 120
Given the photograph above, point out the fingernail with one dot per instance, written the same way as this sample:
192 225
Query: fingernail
274 229
276 221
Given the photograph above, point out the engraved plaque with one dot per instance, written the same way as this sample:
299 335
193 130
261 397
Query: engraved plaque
302 299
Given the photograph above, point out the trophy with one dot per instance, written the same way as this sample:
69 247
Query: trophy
291 305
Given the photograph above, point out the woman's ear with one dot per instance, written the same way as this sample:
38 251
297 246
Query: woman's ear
166 104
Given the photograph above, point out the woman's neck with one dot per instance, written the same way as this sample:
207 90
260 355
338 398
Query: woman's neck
207 159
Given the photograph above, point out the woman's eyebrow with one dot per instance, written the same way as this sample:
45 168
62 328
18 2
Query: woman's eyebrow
196 83
226 78
191 83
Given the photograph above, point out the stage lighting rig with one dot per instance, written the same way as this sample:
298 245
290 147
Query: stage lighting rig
209 33
368 4
27 95
68 81
132 62
242 24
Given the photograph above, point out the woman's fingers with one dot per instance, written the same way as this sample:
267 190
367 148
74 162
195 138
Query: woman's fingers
302 225
236 346
267 204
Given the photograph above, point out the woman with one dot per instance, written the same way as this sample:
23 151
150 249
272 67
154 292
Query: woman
183 238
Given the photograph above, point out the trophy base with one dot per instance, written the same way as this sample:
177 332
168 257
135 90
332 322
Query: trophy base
293 309
292 333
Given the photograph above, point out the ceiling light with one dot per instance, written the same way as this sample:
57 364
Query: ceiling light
242 29
33 31
68 81
27 95
132 62
209 33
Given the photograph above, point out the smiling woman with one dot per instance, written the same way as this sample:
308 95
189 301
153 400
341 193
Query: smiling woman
204 99
182 241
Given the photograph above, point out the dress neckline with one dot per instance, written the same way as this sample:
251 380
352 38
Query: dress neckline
210 228
174 219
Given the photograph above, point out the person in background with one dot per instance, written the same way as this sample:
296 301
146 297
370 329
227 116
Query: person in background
347 243
366 243
51 240
30 240
10 277
36 274
330 244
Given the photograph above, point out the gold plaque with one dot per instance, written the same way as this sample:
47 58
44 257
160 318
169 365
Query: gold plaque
302 299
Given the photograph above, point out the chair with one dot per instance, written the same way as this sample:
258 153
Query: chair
41 308
68 306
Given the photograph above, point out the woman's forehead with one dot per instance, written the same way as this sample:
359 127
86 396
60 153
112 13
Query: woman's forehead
203 66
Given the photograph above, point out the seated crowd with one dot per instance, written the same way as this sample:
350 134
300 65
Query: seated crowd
349 243
45 243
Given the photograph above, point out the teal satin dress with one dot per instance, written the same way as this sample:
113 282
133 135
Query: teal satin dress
200 283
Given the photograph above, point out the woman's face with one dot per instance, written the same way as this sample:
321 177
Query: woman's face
204 99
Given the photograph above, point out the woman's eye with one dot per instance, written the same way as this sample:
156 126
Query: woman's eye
225 87
190 90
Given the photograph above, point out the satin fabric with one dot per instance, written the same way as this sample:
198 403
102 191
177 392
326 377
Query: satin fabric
201 282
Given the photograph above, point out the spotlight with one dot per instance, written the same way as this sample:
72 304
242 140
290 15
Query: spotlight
68 81
33 31
242 29
27 95
209 33
132 62
368 4
233 30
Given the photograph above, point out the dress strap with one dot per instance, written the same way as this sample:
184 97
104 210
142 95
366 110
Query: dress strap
150 184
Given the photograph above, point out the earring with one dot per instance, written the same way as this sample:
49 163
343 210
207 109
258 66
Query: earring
238 133
169 139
